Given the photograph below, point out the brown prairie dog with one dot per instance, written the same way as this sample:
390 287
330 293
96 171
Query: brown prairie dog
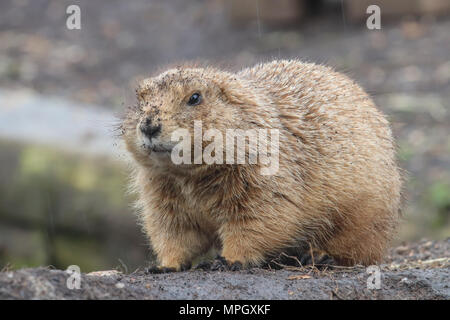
337 186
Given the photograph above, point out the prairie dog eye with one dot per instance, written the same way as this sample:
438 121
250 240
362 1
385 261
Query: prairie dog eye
195 99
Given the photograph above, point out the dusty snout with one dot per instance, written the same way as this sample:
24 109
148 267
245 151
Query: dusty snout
149 129
149 135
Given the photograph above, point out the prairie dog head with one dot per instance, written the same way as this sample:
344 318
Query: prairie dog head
173 101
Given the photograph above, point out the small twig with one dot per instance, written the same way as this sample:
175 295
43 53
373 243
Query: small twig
6 268
293 258
135 271
436 260
124 266
334 292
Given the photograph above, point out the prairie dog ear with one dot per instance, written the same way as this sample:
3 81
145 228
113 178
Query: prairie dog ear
236 90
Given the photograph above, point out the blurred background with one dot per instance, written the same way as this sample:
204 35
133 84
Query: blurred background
63 178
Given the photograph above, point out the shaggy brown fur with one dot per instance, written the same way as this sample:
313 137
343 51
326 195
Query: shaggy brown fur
337 187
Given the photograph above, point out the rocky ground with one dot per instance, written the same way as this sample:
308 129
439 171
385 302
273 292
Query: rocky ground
412 271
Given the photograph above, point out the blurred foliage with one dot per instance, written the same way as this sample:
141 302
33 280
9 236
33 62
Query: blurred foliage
405 151
61 209
438 197
427 210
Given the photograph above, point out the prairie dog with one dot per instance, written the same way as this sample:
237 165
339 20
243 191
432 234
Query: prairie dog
337 186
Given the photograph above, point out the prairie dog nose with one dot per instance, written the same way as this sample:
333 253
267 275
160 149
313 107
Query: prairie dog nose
148 129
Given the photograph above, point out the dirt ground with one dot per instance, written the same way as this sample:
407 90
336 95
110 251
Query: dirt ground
412 271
